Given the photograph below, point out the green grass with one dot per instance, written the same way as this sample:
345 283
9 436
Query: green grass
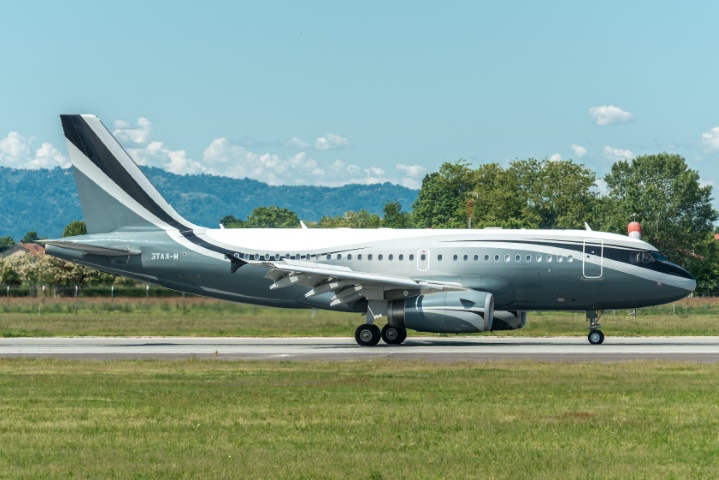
202 317
211 419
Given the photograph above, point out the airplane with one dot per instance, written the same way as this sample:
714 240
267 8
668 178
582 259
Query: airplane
441 281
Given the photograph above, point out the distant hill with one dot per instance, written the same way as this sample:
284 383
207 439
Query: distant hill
46 200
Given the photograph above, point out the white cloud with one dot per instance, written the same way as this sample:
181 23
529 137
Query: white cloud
710 140
578 150
609 115
555 157
17 151
297 142
139 135
331 141
156 154
412 171
616 154
222 157
145 151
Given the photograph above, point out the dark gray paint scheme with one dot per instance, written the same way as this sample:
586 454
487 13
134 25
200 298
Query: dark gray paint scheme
125 213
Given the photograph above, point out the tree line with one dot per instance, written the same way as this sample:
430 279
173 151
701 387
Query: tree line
660 191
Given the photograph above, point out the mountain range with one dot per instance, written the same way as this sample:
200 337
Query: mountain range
45 201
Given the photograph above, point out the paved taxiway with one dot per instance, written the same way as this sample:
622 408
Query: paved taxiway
573 349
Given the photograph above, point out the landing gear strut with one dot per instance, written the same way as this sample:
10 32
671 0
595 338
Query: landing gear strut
595 337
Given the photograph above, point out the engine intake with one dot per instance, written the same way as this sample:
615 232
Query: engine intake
450 312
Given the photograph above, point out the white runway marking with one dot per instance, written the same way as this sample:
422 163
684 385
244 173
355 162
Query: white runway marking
703 349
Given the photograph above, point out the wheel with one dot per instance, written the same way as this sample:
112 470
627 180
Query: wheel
367 335
393 335
402 335
596 337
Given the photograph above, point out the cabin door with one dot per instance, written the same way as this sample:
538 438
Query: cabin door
592 256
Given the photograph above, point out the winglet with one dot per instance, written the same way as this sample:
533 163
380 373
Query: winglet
586 225
302 224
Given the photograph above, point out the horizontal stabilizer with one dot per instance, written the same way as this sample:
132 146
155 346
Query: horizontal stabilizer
93 249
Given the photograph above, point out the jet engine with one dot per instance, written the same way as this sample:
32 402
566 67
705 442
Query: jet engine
449 312
504 320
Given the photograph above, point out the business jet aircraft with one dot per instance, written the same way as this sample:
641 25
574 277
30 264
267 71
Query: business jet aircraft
442 281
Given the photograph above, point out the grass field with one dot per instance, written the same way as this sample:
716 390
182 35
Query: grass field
371 420
204 317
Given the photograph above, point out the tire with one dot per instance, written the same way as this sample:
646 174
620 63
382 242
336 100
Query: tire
596 337
393 335
367 335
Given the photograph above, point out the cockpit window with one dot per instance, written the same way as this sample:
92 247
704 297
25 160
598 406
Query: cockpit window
659 257
646 257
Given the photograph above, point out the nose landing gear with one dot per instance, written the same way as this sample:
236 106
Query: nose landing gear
595 337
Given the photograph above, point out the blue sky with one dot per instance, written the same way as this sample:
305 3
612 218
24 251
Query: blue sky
326 93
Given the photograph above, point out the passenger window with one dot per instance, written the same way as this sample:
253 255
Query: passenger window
476 258
349 256
560 258
506 258
411 257
496 258
486 258
529 258
455 258
329 256
339 256
570 259
466 258
439 257
369 256
423 257
390 257
400 258
539 258
549 258
517 258
359 256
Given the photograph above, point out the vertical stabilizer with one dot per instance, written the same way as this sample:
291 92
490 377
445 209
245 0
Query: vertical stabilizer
114 193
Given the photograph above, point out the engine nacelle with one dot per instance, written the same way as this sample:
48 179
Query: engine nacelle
504 320
450 312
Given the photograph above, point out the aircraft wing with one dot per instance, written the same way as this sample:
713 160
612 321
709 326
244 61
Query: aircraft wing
347 285
93 249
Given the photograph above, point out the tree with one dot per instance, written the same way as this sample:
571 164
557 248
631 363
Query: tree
272 217
30 237
6 242
351 219
532 194
394 217
674 209
441 202
75 228
9 274
229 221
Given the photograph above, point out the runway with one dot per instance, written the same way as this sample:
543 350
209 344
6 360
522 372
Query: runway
438 349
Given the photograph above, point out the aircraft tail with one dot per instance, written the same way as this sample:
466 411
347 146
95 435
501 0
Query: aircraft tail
114 193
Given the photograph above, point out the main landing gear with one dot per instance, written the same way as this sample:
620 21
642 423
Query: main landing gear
368 335
595 337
